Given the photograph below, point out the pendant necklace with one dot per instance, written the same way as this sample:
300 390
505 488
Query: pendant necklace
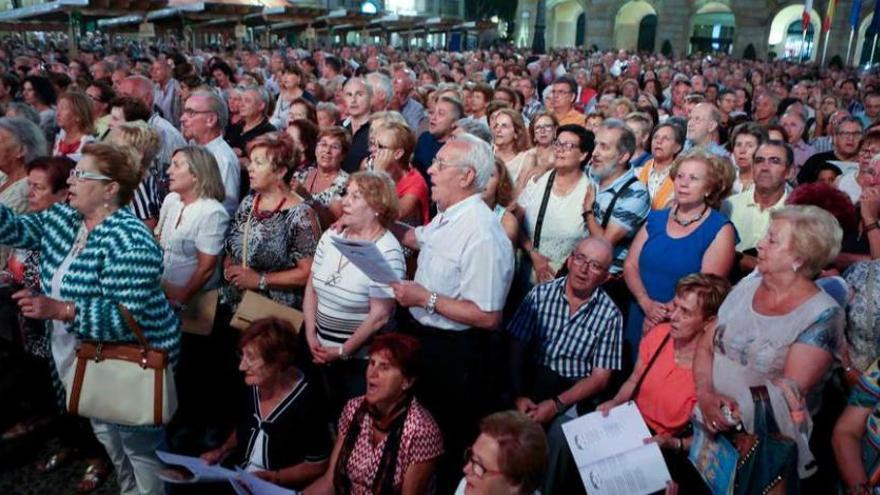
685 223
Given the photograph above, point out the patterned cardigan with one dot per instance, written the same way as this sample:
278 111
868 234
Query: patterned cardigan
120 264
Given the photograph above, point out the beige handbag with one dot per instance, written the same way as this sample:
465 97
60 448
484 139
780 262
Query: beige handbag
197 317
126 384
254 306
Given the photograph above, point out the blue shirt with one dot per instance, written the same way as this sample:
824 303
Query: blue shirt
629 212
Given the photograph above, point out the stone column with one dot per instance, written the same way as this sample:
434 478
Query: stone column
673 25
753 19
600 23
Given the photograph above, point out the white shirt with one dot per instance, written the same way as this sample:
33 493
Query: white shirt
169 140
563 225
230 171
464 254
168 100
187 230
76 155
849 184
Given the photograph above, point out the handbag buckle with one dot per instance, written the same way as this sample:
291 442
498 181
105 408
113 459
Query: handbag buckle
143 358
98 350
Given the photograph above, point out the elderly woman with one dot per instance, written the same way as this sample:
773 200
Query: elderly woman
551 208
38 92
511 139
323 184
76 123
666 143
776 329
745 140
510 445
20 142
543 131
391 147
343 307
81 276
856 439
693 228
302 108
192 224
662 381
328 114
280 404
387 442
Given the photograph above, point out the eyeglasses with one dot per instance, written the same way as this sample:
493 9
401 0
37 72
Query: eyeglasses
440 163
251 362
189 112
377 144
479 470
852 134
579 260
544 127
326 145
565 146
79 175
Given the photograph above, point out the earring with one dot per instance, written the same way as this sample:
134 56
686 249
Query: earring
795 267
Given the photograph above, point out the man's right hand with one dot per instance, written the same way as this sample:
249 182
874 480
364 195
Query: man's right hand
525 405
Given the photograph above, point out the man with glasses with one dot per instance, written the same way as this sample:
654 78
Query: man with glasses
203 120
845 142
563 92
574 332
526 86
465 267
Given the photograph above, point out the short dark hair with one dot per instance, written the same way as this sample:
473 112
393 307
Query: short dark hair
275 341
106 90
568 81
56 167
789 153
586 138
132 108
43 88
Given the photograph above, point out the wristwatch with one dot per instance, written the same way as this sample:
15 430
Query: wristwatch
432 303
560 406
262 284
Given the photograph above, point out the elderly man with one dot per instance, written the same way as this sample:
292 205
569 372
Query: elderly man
465 267
766 106
562 96
204 117
170 138
358 95
101 71
412 110
254 111
845 142
575 332
526 86
750 210
167 90
702 129
795 123
383 91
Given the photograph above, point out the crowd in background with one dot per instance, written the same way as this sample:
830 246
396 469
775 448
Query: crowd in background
570 232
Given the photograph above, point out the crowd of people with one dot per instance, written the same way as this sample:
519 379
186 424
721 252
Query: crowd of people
568 232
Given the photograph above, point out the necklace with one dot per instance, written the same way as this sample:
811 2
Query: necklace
79 243
336 276
689 221
262 214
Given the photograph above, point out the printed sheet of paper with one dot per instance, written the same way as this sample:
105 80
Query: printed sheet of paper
201 471
367 257
245 483
611 455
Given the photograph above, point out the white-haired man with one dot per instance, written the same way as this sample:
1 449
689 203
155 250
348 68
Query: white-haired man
465 267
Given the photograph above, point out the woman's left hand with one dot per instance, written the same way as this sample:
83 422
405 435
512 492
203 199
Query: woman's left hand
37 306
382 159
325 355
270 476
664 442
544 412
243 278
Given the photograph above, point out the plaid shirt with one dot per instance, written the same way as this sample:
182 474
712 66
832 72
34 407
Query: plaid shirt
570 345
532 107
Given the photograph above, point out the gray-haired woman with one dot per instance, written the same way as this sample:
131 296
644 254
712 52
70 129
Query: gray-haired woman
20 142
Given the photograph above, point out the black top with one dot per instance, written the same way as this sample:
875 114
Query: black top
237 138
810 171
294 431
360 148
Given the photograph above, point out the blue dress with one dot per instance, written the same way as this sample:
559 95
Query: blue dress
664 260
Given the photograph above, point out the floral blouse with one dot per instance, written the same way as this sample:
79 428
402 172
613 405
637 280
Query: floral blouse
327 196
277 241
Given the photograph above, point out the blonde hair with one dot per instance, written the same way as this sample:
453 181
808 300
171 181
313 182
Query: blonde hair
380 193
140 138
816 236
720 173
120 164
523 141
403 138
81 107
203 166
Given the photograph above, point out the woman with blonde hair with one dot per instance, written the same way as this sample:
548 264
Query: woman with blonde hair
76 120
391 148
142 141
511 141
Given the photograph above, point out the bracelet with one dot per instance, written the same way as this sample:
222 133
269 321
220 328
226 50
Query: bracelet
68 310
871 226
560 406
342 354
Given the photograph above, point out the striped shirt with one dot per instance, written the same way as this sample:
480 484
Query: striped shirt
629 212
344 292
570 345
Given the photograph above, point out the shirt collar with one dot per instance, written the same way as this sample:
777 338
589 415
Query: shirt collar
620 181
456 210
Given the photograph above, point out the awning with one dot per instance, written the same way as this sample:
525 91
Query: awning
56 15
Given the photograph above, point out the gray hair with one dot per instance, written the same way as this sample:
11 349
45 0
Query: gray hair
381 84
23 110
28 135
387 116
476 128
815 236
627 141
217 105
362 81
262 93
479 157
847 120
329 107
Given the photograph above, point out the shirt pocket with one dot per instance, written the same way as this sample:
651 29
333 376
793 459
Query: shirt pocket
444 273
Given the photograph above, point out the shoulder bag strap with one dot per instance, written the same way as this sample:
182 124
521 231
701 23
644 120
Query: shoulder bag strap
539 223
247 235
607 217
133 326
638 386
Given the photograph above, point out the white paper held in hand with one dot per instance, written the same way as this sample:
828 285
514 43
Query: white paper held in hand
611 455
367 258
201 471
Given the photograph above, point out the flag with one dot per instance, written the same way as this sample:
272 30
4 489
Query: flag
875 22
854 13
829 16
808 7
